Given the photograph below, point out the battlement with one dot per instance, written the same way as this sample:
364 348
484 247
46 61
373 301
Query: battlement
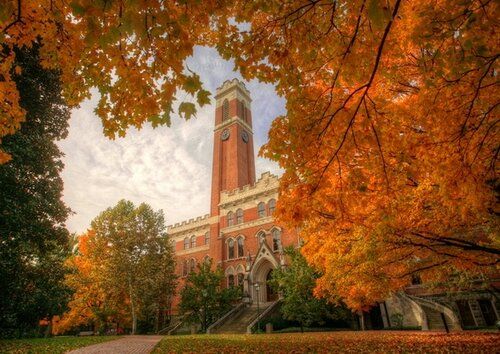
189 224
230 84
266 182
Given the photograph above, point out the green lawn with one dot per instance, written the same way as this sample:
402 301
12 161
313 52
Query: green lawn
53 345
335 342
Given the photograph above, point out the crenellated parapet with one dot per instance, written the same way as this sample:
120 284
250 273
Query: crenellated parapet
228 85
266 186
189 226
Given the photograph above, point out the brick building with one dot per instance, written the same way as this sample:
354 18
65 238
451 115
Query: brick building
239 234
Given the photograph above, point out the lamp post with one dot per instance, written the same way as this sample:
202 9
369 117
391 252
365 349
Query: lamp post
257 288
204 294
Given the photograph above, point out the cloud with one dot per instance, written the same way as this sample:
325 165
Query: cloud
168 168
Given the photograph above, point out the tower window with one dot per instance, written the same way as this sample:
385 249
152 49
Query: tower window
225 110
241 242
193 241
272 206
276 239
261 209
186 243
239 216
207 237
230 219
230 249
243 111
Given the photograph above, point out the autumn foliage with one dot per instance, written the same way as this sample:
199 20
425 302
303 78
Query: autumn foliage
390 142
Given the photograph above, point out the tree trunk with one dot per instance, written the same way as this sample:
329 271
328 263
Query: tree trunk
132 307
361 321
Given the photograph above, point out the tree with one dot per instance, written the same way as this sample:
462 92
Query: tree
33 237
390 141
124 269
297 282
203 299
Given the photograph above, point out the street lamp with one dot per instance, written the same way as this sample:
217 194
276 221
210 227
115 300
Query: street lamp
257 288
204 295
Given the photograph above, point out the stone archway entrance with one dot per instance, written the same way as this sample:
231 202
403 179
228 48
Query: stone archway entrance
261 274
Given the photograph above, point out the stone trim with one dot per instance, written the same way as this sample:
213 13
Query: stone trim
245 225
232 120
192 250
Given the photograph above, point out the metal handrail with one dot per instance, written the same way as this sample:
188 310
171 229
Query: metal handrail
221 320
261 316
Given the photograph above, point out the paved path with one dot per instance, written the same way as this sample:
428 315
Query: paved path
125 345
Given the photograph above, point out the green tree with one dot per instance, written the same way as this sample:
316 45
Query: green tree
297 282
203 299
33 237
132 244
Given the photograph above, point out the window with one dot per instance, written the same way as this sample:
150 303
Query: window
186 243
243 111
239 216
230 248
192 265
262 237
185 268
207 237
261 209
276 239
230 219
230 280
193 241
241 278
225 110
206 259
241 251
272 206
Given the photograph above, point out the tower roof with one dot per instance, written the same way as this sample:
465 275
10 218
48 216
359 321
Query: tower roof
232 84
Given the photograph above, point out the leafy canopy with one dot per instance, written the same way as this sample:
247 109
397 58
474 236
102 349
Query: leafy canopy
390 141
203 298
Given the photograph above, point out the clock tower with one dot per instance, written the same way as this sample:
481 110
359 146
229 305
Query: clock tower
233 158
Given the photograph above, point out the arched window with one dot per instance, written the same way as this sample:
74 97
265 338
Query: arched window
206 259
230 219
230 280
261 209
186 243
230 248
225 110
185 268
207 237
241 279
241 251
272 206
262 237
192 265
239 216
276 239
193 241
243 111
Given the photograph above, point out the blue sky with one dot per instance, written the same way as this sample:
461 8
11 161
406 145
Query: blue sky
168 168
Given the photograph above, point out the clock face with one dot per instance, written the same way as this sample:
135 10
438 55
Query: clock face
225 134
244 136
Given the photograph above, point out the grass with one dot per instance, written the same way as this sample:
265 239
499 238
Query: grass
53 345
334 342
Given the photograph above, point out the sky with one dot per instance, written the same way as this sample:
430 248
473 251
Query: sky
168 167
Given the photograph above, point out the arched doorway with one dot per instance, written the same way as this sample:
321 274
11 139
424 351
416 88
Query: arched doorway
271 295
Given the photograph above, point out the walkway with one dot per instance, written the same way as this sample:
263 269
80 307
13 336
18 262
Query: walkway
125 345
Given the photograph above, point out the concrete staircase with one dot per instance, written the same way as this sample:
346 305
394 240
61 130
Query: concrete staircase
240 321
